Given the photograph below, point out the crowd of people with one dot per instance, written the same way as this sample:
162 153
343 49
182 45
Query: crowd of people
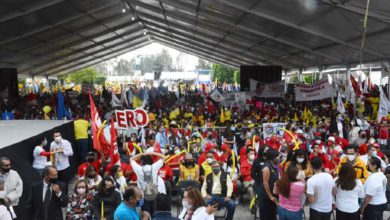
213 157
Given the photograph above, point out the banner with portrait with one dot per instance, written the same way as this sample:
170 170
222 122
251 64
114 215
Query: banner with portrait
267 90
273 128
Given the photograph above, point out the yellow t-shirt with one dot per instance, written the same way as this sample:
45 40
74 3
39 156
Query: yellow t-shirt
81 129
189 173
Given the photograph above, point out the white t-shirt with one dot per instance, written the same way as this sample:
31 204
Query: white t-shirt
347 201
321 185
365 157
139 171
4 213
375 186
39 161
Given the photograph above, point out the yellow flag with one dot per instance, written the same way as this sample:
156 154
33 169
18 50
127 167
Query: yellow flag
222 117
137 102
296 117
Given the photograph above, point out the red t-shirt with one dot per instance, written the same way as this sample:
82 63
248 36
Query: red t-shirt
245 170
83 167
165 173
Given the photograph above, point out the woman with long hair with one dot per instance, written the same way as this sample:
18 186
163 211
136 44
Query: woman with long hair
375 188
300 160
348 190
80 203
290 189
194 206
108 197
93 179
120 181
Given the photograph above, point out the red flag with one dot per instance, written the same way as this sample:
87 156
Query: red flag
99 143
114 154
356 87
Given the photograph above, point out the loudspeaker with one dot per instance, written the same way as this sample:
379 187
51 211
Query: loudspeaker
9 83
265 74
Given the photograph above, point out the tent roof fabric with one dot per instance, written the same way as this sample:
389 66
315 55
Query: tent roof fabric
54 37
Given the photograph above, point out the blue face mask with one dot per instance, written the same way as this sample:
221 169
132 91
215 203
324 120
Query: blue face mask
374 154
140 202
232 128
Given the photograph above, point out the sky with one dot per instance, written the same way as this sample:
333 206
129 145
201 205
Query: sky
189 62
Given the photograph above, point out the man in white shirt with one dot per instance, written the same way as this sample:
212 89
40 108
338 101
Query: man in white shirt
13 184
61 158
319 192
147 173
371 152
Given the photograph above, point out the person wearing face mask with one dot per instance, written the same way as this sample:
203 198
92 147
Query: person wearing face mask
372 152
108 197
189 170
13 184
194 206
116 174
175 162
375 201
63 150
80 203
92 178
40 155
130 208
161 137
245 169
290 190
331 166
358 164
361 139
90 161
205 167
47 197
218 188
228 137
264 187
300 160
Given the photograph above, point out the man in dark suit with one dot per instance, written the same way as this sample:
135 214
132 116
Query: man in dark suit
47 197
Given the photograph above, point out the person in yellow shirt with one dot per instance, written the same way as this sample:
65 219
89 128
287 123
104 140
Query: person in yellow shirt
358 164
81 135
189 170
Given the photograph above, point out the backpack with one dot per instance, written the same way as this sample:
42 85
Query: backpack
151 189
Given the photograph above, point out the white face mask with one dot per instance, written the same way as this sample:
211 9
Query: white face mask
177 151
44 142
300 160
185 204
209 160
318 141
81 191
2 194
252 157
351 157
57 139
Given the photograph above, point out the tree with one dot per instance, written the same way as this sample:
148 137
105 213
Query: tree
123 68
147 64
236 77
222 73
86 75
163 61
308 79
203 64
102 68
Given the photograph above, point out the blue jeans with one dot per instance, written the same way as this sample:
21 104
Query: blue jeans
284 214
229 205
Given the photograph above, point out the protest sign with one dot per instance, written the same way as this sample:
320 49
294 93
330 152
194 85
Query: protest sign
137 118
310 92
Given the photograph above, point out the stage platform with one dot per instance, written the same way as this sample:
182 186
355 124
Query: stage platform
15 131
18 139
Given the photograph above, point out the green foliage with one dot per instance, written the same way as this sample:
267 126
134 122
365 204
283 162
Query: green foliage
308 79
294 79
222 73
86 75
237 76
